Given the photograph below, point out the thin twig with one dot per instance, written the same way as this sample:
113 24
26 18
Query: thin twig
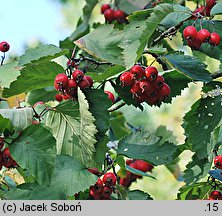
3 58
116 107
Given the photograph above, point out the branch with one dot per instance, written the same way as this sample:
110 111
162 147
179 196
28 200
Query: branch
216 75
116 107
3 58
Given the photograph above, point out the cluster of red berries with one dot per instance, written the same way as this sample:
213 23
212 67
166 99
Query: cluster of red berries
136 164
215 195
104 187
67 86
196 38
4 46
6 159
145 84
112 15
205 9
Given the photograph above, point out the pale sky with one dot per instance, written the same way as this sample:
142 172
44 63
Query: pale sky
23 21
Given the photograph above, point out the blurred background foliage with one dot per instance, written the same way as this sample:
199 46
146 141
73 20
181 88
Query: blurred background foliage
170 115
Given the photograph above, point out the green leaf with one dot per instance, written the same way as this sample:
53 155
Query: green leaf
195 191
138 195
46 94
33 191
34 76
33 150
103 43
189 66
6 126
8 73
146 146
177 82
196 169
139 31
118 125
217 9
74 128
200 122
179 14
70 176
109 72
41 54
20 118
138 172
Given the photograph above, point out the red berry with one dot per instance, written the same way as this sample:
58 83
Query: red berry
194 44
109 15
152 99
214 39
84 84
126 79
109 179
58 97
105 7
151 73
89 79
99 185
119 16
7 159
4 46
158 83
215 195
203 35
135 89
72 84
110 96
137 71
141 165
190 32
77 75
61 80
163 92
145 86
129 161
218 161
107 191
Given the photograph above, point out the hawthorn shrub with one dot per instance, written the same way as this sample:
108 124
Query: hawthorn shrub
61 139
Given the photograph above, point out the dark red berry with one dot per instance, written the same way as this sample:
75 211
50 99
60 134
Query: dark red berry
66 97
158 83
151 73
194 44
109 179
218 161
190 32
110 96
72 84
89 79
61 80
59 97
4 46
84 84
135 89
7 159
126 79
99 185
215 195
137 71
107 191
77 75
214 39
145 86
109 15
119 16
163 92
129 161
203 35
105 7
